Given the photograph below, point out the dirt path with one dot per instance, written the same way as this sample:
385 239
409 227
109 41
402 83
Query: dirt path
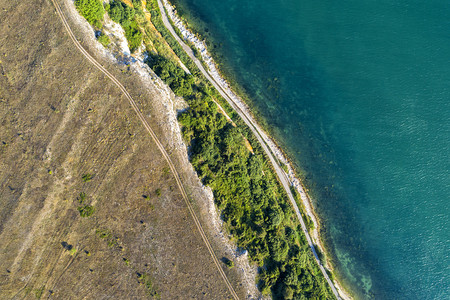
155 139
260 135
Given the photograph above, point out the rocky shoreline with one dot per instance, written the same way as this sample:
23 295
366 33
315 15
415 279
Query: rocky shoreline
121 54
276 150
213 71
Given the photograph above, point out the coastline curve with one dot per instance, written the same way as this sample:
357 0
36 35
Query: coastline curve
268 146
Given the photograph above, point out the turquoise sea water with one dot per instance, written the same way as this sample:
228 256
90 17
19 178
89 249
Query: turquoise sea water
358 92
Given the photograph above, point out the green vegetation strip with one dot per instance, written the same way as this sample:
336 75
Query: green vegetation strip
252 203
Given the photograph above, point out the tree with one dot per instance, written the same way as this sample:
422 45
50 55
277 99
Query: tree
91 10
276 216
121 13
133 35
124 15
291 277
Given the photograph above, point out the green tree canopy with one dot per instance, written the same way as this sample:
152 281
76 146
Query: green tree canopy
91 10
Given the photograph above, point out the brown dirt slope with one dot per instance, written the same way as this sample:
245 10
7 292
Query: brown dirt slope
59 120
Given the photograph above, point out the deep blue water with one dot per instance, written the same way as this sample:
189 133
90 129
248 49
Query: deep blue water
358 92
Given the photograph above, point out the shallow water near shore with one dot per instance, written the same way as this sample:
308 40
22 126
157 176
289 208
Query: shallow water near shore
358 93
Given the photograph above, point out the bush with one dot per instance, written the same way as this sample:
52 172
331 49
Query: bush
125 16
120 13
180 82
87 177
133 35
86 211
153 8
146 280
82 197
91 10
229 263
104 40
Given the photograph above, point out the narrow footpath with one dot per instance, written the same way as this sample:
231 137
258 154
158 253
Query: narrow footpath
155 139
260 135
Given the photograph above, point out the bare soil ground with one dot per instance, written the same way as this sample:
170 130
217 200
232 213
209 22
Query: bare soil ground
61 119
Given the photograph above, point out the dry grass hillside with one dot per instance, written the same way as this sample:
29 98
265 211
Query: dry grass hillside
69 140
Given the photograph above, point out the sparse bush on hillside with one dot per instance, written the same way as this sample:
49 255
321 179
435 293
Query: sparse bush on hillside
81 197
86 177
229 263
113 242
104 40
91 10
146 280
126 261
86 211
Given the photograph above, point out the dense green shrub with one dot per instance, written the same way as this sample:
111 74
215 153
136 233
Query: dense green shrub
253 205
104 40
133 35
180 82
91 10
125 16
120 13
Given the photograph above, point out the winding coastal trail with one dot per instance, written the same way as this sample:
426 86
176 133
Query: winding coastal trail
155 139
260 135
